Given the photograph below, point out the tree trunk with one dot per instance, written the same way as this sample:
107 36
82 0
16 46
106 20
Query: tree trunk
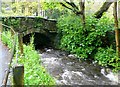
117 32
82 7
0 19
103 9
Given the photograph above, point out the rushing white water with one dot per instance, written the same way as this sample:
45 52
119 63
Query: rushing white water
68 70
110 75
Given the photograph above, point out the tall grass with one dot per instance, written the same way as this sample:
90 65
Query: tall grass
7 39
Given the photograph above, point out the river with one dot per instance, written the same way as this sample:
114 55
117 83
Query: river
68 70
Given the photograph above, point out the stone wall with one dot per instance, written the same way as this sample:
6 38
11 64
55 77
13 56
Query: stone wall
26 25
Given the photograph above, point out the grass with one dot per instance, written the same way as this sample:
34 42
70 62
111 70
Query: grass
34 72
7 39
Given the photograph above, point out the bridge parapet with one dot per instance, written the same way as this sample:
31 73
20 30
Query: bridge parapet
26 25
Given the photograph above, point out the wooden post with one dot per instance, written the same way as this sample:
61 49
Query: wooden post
18 76
20 40
11 30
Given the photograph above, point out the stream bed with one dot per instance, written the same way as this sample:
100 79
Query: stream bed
68 70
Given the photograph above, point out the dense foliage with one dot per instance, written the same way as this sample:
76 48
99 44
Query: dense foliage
84 42
6 38
108 57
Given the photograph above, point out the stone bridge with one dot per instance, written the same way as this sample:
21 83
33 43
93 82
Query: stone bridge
25 26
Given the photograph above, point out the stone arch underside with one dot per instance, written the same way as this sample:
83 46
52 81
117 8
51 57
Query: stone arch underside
41 40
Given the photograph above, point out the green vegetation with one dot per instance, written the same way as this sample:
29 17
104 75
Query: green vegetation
35 73
87 42
31 8
107 57
79 41
91 41
7 39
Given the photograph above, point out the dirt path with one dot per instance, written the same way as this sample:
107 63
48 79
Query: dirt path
4 60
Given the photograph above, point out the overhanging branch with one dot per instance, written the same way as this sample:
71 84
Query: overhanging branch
103 9
73 7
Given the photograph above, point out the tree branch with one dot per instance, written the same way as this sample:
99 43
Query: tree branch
103 9
73 7
65 6
72 4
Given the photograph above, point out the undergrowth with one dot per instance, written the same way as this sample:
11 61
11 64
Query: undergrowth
34 72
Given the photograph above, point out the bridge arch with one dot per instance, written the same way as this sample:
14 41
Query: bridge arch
40 40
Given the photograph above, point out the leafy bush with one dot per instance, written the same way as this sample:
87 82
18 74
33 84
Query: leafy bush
78 40
107 57
85 42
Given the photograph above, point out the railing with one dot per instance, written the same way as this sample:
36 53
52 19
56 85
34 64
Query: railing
42 13
6 75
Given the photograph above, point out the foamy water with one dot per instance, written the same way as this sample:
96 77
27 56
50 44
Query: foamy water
68 70
110 75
